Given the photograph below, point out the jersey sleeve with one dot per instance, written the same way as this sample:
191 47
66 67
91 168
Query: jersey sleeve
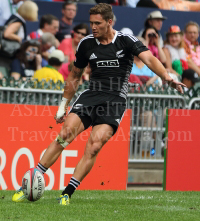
81 61
135 45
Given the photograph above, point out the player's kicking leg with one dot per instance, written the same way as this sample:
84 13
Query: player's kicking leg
71 128
99 136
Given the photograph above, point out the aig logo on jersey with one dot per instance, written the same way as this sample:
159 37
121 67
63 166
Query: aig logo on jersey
109 63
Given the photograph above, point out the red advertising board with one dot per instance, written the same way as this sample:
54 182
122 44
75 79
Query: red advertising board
27 130
183 150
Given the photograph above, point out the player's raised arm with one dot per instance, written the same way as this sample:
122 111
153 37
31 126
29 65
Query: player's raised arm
156 66
71 85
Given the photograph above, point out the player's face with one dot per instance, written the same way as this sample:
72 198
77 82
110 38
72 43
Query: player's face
98 25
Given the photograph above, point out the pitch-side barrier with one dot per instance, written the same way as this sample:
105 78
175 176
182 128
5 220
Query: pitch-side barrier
148 124
148 117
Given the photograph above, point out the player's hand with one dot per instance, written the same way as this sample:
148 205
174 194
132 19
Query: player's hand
176 85
61 113
61 119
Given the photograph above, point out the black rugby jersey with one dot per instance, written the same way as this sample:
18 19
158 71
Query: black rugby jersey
111 64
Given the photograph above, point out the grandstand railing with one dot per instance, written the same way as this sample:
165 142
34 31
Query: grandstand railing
148 116
11 95
29 96
194 104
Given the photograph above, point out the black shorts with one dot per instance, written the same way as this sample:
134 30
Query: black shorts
94 108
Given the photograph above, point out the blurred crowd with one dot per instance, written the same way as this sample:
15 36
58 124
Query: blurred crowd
48 52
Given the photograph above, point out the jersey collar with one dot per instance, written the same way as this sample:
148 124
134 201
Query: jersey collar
113 41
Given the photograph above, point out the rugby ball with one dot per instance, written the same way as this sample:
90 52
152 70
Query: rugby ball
33 184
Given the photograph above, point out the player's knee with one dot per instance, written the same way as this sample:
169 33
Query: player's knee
66 133
94 151
95 148
96 145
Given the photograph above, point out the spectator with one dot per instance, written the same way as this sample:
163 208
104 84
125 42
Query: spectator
7 8
146 3
16 24
112 2
69 9
152 38
134 83
82 1
87 1
174 51
154 19
189 78
50 72
191 45
27 61
67 67
69 45
47 41
178 5
1 75
131 3
142 71
48 23
177 59
126 30
114 20
86 73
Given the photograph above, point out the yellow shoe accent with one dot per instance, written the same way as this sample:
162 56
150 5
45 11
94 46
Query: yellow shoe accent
64 199
18 196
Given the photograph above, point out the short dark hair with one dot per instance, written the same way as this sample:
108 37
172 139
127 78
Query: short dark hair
54 62
105 10
69 3
47 19
82 26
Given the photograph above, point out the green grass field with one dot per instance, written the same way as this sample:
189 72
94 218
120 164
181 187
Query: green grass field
105 205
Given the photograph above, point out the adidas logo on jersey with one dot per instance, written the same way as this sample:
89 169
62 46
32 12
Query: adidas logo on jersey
119 55
92 56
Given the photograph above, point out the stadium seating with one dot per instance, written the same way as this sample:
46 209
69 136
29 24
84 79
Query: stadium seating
133 18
